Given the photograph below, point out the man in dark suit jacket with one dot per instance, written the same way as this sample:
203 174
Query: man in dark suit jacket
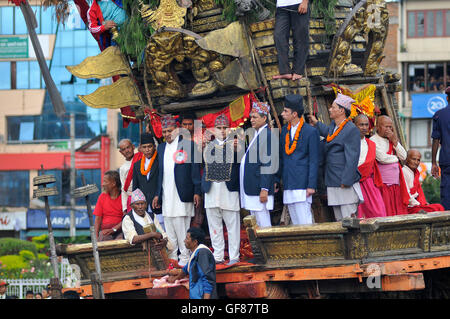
179 183
146 173
342 155
258 168
299 160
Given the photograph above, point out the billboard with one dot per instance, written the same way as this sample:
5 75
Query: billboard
426 104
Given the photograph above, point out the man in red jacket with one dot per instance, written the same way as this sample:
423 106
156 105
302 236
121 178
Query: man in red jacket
417 201
370 181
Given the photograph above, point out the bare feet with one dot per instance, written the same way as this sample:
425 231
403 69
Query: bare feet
296 76
282 76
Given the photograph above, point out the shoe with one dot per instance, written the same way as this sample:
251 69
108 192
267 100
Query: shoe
220 262
232 262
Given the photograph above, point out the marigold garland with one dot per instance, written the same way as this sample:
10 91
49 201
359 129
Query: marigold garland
341 126
143 170
291 149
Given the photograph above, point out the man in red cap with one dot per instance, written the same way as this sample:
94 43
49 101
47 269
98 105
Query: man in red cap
441 136
3 286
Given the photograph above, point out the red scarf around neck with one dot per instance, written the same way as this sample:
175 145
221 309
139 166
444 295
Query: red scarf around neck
370 165
129 178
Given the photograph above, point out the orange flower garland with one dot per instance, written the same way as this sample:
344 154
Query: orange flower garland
341 126
143 170
291 149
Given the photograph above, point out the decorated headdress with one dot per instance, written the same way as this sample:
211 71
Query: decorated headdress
168 121
137 196
344 101
222 120
260 107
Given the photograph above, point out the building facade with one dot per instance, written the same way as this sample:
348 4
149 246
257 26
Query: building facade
424 63
31 134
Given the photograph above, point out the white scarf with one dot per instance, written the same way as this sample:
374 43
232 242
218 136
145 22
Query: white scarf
193 254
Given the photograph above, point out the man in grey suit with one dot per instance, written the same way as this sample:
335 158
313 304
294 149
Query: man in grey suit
342 154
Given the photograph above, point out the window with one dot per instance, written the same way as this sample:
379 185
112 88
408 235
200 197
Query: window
428 23
19 181
416 76
420 133
428 77
447 23
5 69
131 132
6 20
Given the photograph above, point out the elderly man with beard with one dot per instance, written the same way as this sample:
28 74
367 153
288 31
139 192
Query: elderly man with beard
417 201
134 223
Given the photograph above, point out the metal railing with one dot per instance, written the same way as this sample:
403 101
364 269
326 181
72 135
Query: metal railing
69 277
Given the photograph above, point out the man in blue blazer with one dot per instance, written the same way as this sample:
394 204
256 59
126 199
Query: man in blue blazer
179 185
342 154
220 183
299 160
258 168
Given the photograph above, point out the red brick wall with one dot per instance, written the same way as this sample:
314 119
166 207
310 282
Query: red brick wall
391 47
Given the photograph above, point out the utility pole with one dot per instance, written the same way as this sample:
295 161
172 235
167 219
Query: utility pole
72 175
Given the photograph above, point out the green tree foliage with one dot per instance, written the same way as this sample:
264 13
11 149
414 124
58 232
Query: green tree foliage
325 9
431 189
13 246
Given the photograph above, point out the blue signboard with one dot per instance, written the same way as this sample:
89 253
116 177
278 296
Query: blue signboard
426 104
60 219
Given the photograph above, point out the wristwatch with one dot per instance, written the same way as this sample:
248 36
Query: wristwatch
115 230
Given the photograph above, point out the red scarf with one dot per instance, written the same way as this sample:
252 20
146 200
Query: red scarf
370 165
403 187
417 188
129 178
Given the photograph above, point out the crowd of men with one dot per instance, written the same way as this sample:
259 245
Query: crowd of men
366 175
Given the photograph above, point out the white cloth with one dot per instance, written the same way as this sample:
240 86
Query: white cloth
249 202
176 228
262 217
408 174
300 213
172 206
285 3
291 196
3 296
293 129
345 196
343 211
382 149
123 172
364 151
220 197
216 217
129 231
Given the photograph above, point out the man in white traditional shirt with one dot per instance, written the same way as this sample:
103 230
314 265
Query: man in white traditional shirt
417 200
179 186
220 183
389 153
135 223
126 148
256 178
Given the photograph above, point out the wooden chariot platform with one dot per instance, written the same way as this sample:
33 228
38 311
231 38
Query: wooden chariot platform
371 255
